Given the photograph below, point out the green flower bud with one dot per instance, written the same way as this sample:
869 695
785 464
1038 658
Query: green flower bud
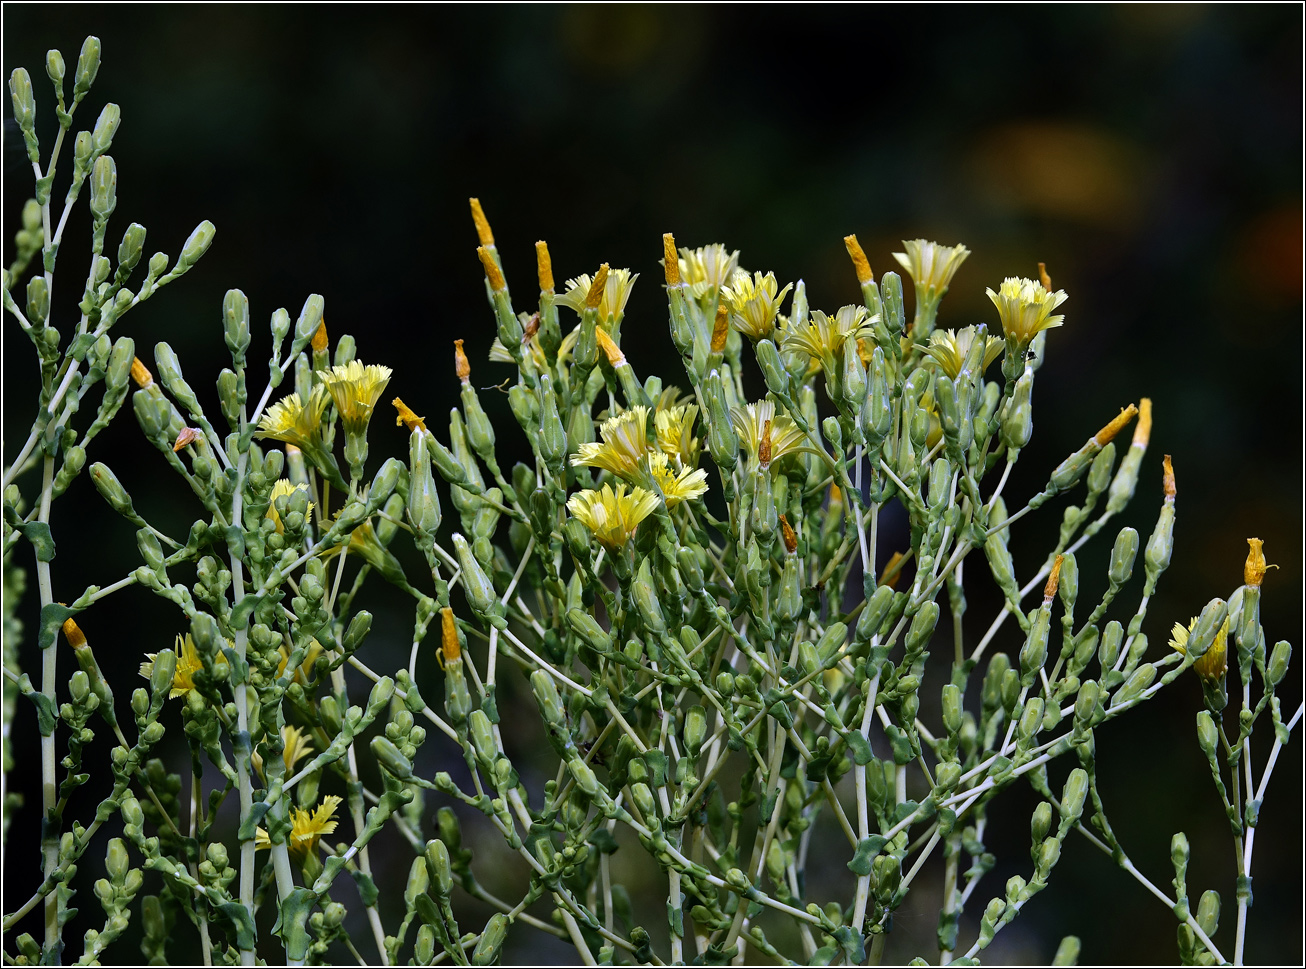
423 506
1035 651
1040 823
1138 681
54 69
424 947
104 188
695 729
390 758
546 695
1122 557
38 301
480 432
357 630
106 125
854 376
1161 544
644 802
956 428
833 434
152 734
1207 735
491 941
382 691
131 812
922 627
1017 425
1208 625
438 867
476 584
952 708
587 627
553 436
1277 668
131 247
235 322
1099 473
88 65
1208 912
1031 720
20 88
1112 638
1073 795
773 369
991 691
1179 849
482 735
645 594
877 413
1086 701
306 327
1011 681
197 243
947 777
722 442
830 642
1048 855
874 612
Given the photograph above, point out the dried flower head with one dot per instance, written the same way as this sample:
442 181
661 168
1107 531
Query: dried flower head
1253 570
407 417
612 514
1025 309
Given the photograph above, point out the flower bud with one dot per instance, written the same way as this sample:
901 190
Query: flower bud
695 729
877 413
1138 681
874 612
947 776
481 733
922 627
1073 796
1277 668
390 758
1208 912
952 708
196 244
1086 702
647 806
131 247
307 324
1208 626
20 88
773 369
1031 720
476 584
88 65
1040 822
38 301
1207 734
645 595
1017 425
235 321
106 125
491 941
1122 557
104 188
438 867
54 69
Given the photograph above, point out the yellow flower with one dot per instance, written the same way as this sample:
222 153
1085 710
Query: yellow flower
1212 664
950 347
929 264
283 488
294 422
706 269
188 661
753 303
355 388
1025 308
296 745
760 429
675 431
677 486
305 828
625 445
612 302
612 515
824 336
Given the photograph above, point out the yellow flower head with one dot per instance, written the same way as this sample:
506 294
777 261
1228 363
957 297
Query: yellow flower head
295 422
949 349
306 828
1025 308
612 515
675 430
754 302
625 445
930 265
822 338
760 429
283 488
706 269
1212 664
355 388
296 745
612 301
188 662
677 486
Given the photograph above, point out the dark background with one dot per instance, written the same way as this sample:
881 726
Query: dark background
1150 155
